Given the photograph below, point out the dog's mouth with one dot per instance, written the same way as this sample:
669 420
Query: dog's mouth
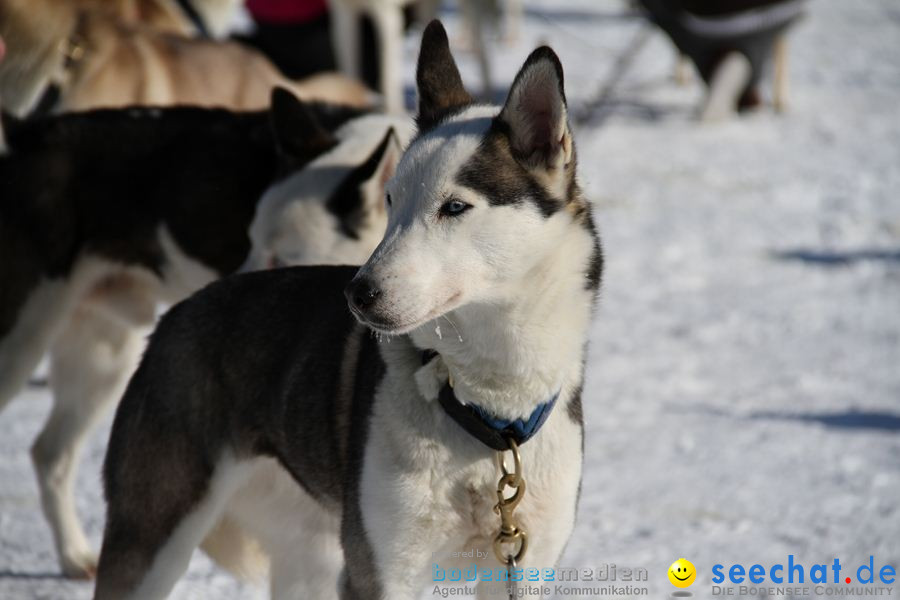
388 327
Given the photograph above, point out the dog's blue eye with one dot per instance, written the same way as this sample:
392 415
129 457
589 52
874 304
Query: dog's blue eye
453 208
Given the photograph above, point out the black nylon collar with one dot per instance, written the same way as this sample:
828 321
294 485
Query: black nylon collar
491 431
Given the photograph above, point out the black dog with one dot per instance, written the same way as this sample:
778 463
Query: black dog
103 215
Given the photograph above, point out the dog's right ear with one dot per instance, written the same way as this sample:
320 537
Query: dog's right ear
298 134
536 116
438 81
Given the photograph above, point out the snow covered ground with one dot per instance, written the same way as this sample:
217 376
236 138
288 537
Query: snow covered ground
743 397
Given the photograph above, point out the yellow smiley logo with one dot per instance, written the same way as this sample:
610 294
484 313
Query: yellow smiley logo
682 573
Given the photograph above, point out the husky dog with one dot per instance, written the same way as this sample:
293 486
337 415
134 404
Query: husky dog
105 214
100 60
265 415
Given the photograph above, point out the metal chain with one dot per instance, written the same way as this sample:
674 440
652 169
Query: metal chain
512 587
511 533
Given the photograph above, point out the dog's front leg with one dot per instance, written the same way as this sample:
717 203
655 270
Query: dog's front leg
390 560
394 520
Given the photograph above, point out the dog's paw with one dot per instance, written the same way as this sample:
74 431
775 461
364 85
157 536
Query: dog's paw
79 565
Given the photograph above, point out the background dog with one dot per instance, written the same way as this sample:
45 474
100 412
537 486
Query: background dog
294 226
40 30
105 214
731 44
265 377
101 60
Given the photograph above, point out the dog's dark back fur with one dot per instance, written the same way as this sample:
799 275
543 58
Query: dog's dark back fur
243 341
104 181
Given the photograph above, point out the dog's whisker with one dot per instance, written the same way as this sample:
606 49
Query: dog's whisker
455 328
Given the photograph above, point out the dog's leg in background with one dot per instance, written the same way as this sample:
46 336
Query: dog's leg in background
38 322
42 311
780 85
725 88
388 23
513 30
90 365
345 37
474 17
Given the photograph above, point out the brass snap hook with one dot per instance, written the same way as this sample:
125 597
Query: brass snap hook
510 532
507 505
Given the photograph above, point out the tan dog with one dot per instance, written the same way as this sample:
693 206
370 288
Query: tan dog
100 59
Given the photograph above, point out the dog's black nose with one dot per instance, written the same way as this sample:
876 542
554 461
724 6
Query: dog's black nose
361 293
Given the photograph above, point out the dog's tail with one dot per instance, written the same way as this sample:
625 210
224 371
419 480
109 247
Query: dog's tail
232 549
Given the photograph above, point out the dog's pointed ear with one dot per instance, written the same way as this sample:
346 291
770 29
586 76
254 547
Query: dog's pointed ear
362 192
298 134
439 84
535 113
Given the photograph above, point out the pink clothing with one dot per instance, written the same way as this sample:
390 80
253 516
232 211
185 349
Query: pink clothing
286 11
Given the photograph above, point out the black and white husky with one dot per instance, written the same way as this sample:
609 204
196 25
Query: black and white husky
264 415
105 214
